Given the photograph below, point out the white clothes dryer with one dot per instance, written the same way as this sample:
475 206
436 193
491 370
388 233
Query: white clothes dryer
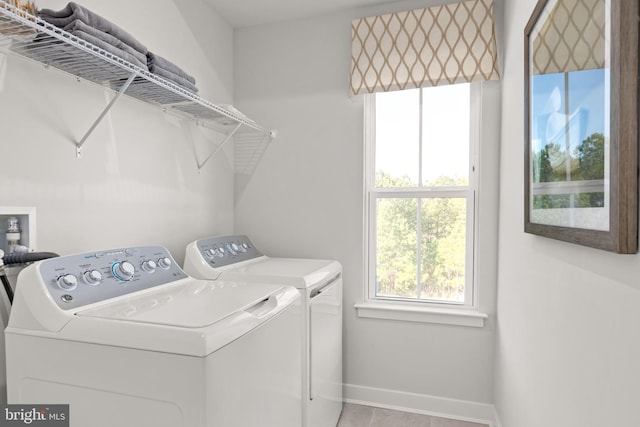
233 257
126 338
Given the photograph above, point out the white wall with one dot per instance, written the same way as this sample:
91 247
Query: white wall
568 353
306 199
138 181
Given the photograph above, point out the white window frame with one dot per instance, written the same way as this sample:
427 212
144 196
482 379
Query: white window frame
456 313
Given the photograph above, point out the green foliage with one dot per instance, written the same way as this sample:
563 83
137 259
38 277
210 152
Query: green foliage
544 172
586 163
443 247
442 243
386 181
591 157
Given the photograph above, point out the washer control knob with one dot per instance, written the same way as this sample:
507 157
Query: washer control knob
220 252
123 270
92 277
210 253
235 247
164 263
229 247
149 266
67 282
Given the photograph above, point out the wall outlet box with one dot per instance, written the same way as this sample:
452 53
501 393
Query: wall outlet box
27 220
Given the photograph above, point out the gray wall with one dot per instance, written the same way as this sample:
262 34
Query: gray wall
306 199
568 318
137 182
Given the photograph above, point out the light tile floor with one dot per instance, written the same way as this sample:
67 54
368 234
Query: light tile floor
368 416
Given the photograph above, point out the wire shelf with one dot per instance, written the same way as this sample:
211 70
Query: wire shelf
29 36
248 149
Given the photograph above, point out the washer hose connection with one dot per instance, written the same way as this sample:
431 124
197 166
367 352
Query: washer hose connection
18 258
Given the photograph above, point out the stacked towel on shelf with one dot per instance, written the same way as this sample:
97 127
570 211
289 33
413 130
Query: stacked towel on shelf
107 42
95 29
170 71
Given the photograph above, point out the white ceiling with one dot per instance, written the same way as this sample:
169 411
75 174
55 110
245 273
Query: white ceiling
247 13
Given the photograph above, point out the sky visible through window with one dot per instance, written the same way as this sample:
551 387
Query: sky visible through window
569 157
445 133
422 238
554 122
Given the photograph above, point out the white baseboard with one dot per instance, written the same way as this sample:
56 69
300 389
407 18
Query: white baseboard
484 413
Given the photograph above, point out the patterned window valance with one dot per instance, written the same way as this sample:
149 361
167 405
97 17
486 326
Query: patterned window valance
571 39
447 44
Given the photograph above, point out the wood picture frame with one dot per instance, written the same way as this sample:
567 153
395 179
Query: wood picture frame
581 123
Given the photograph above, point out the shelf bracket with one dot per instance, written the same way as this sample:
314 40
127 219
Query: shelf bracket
219 147
104 113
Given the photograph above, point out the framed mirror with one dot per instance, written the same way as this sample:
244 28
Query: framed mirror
581 123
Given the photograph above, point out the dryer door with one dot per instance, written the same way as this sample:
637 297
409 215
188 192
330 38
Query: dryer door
325 354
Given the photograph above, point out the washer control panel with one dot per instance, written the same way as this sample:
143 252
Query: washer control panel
78 280
225 250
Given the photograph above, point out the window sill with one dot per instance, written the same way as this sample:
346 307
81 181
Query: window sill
408 313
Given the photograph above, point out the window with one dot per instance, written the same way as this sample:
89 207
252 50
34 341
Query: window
421 194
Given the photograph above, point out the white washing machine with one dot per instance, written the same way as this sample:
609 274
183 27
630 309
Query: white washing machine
126 338
234 257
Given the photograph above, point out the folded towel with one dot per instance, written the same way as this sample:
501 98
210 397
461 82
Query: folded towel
174 78
77 27
73 11
109 48
90 34
154 60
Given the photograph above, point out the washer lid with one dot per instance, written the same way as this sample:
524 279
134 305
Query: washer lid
191 317
196 304
299 272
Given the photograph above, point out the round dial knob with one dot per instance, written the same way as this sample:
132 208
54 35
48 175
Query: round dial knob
123 270
230 248
235 247
164 263
210 253
68 282
220 252
149 266
242 247
92 277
